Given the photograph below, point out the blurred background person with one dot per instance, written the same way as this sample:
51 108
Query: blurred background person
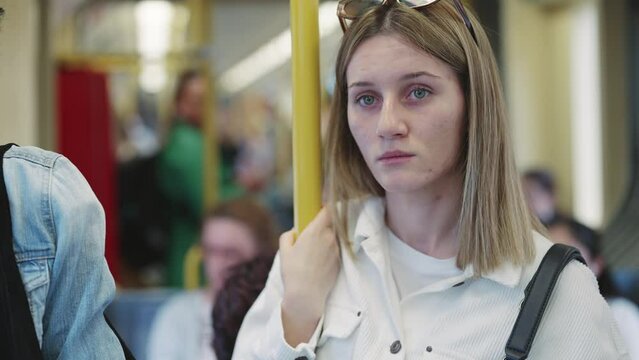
232 233
243 285
180 172
570 232
539 188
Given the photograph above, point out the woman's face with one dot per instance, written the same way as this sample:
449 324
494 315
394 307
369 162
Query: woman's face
226 242
406 113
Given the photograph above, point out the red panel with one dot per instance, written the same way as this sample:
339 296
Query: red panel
84 136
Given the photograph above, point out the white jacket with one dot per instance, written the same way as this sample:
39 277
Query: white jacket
459 318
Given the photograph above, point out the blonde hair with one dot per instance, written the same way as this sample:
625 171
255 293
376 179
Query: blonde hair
495 225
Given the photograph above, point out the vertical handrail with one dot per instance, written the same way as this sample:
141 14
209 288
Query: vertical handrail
201 35
306 111
201 19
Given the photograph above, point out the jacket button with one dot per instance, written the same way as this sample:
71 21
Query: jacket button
396 346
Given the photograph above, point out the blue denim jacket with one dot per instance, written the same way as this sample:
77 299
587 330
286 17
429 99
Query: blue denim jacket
58 238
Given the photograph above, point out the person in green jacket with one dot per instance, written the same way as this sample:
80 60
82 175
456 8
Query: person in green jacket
180 172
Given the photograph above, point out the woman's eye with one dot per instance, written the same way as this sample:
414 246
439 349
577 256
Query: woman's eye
366 100
420 93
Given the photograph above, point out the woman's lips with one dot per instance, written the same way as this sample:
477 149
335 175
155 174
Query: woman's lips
395 157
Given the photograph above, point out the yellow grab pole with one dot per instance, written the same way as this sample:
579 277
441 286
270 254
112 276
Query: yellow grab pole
201 20
306 111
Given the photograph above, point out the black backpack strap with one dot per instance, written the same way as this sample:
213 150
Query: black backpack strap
536 298
18 339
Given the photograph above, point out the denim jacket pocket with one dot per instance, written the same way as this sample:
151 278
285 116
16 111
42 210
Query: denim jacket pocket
35 277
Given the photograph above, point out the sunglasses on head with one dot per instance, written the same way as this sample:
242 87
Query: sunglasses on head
349 10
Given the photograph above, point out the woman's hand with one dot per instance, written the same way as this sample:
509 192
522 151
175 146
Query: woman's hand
309 270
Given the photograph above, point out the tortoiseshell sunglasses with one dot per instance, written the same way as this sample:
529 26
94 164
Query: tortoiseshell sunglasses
349 10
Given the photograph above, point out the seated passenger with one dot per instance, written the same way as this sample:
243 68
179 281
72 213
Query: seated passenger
242 287
570 232
232 233
539 187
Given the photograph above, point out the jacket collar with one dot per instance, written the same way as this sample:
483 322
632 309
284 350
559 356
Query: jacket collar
368 215
369 221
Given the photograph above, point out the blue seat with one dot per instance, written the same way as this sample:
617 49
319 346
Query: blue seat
132 313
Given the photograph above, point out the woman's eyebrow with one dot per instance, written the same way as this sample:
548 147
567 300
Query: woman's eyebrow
419 74
408 76
360 84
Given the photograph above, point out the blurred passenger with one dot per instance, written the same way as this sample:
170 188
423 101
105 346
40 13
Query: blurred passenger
243 285
232 233
254 164
246 152
570 232
54 280
539 188
180 172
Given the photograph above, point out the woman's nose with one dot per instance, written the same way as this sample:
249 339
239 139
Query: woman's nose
391 123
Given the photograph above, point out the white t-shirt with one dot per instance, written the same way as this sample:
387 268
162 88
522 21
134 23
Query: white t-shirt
414 270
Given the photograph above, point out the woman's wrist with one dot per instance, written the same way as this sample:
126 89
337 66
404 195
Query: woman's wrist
304 306
299 319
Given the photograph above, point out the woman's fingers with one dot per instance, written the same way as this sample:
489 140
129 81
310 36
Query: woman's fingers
287 239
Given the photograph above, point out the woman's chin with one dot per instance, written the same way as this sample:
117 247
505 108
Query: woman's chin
400 186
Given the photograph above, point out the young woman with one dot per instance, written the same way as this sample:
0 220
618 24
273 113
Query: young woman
426 245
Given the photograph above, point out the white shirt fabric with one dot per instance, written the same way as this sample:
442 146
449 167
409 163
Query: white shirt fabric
365 319
183 329
626 313
414 270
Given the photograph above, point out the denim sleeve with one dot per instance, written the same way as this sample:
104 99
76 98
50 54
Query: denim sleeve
81 285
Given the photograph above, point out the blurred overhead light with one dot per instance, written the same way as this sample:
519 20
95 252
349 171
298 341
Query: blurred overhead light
153 76
274 53
153 19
